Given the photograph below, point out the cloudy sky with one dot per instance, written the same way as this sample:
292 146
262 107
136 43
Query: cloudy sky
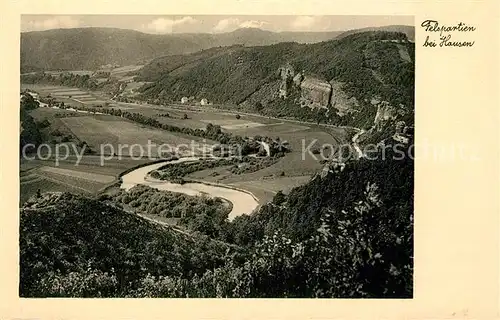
209 23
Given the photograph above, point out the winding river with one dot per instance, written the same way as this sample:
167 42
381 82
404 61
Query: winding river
243 203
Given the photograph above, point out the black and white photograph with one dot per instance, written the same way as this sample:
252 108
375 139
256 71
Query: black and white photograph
217 156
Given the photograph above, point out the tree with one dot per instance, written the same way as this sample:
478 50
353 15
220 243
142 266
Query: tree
279 198
238 116
185 116
44 124
258 106
82 144
66 138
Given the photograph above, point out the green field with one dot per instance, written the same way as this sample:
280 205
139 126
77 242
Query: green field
126 137
120 71
75 72
293 169
86 177
30 187
67 95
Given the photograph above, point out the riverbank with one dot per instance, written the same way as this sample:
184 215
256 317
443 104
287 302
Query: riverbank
243 202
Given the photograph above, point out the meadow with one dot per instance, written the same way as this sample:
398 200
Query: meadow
86 177
121 71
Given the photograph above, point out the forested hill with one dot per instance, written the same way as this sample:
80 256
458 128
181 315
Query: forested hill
89 48
74 246
408 30
374 64
346 234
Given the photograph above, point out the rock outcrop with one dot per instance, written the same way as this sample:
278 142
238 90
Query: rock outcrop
287 72
315 93
332 166
341 101
298 78
385 112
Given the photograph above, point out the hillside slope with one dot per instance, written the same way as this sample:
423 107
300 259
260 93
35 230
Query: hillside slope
351 229
89 48
74 246
408 30
362 66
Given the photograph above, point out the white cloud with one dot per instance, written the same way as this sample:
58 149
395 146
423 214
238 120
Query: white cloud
231 24
253 24
225 25
306 23
162 25
56 22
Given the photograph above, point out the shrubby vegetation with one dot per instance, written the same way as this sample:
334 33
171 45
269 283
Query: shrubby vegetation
345 234
297 214
198 213
85 82
76 246
30 129
63 79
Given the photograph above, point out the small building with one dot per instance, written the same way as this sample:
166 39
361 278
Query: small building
401 138
204 102
184 100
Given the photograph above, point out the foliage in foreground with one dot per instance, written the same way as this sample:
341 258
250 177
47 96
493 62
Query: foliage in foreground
76 238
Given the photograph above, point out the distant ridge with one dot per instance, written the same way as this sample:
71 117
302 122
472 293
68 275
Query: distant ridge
408 30
91 47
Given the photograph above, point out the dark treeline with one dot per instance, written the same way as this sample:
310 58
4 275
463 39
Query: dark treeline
347 233
95 250
63 79
30 129
69 79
